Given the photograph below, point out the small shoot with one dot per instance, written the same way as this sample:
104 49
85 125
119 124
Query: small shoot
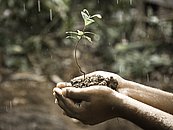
82 34
87 18
78 35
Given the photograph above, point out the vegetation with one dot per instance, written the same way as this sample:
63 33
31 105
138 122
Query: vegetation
82 34
32 35
133 40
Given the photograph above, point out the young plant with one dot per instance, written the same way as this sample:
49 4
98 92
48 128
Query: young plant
82 34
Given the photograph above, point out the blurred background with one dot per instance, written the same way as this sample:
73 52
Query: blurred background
135 40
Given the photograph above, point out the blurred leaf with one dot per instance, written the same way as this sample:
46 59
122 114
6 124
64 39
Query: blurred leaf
72 37
79 37
86 12
80 33
14 49
72 33
86 17
88 38
89 33
96 15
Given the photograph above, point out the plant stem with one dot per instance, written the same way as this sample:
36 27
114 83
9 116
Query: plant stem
76 60
75 54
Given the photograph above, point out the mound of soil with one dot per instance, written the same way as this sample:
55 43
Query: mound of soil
95 80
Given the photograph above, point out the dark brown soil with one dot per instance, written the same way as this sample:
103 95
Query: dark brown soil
95 80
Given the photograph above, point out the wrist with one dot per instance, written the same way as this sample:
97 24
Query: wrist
143 115
117 105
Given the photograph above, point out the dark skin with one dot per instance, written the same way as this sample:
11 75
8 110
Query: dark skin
100 103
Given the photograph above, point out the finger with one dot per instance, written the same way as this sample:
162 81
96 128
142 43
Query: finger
63 84
82 106
70 105
67 101
66 104
76 93
65 109
57 90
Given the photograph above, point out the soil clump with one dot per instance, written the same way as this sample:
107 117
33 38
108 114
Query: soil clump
95 80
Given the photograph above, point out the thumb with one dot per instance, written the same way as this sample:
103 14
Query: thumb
76 93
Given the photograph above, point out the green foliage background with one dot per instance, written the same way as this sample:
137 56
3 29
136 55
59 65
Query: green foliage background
29 39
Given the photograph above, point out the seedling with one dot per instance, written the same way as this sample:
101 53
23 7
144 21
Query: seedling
82 34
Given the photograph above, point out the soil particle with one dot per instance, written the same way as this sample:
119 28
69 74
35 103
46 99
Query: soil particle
95 80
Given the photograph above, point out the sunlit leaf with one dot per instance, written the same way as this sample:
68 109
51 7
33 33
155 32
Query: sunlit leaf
72 33
87 18
80 33
88 38
96 15
86 12
89 21
71 37
79 37
84 15
89 33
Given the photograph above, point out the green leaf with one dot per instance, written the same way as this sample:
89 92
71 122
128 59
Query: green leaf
88 21
86 17
71 37
89 33
72 33
88 38
86 11
79 37
96 15
80 33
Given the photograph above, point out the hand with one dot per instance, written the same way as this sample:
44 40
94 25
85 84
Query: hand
95 104
90 105
98 103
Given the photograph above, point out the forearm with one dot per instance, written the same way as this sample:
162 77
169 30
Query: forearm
144 115
148 95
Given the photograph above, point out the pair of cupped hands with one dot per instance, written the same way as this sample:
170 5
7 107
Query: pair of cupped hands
97 103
